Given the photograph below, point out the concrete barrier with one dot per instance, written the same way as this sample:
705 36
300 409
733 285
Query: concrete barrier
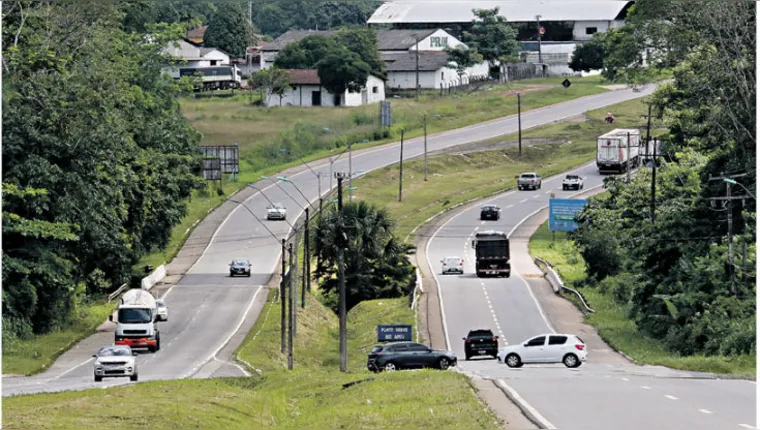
149 281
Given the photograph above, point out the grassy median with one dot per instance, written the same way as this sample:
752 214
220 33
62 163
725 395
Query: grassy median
313 395
612 321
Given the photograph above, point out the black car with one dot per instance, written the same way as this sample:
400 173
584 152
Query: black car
480 342
240 267
408 355
490 212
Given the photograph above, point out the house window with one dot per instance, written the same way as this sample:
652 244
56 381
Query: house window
213 62
374 90
590 30
442 76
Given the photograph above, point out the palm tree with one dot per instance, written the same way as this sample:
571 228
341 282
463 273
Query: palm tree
376 264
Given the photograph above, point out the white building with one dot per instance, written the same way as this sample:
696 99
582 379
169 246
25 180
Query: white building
195 56
306 90
433 70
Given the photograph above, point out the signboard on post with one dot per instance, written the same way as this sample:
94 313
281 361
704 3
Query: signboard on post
385 113
394 333
212 169
228 154
562 213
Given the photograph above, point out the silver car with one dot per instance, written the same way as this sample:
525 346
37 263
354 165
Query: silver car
452 265
529 180
277 211
115 361
163 310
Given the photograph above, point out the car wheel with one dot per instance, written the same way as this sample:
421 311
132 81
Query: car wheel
443 363
513 360
248 275
158 342
98 378
390 367
571 361
564 188
133 378
467 357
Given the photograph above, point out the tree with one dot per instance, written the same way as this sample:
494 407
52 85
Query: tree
589 56
376 262
623 49
492 36
270 81
306 53
230 31
341 71
463 58
363 42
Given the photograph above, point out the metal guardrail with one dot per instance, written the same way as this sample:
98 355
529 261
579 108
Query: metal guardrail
117 292
556 282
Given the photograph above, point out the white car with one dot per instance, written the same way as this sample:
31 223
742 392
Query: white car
115 361
572 182
452 265
163 310
277 211
567 349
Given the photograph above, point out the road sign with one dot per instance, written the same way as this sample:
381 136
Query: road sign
562 213
542 31
394 333
385 113
566 83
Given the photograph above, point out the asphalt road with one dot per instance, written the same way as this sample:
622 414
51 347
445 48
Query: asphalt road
598 395
207 308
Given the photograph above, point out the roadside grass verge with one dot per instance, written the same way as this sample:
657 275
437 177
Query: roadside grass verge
459 177
612 321
311 396
30 356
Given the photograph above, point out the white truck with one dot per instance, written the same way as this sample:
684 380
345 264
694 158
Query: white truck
618 150
136 320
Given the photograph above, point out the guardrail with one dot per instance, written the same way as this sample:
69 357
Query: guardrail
117 292
556 282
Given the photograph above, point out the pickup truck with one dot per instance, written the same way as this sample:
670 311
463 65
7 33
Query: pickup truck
530 180
572 182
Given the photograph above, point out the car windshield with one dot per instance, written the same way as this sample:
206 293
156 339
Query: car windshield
572 176
240 263
114 352
276 206
160 304
479 333
490 208
453 260
135 316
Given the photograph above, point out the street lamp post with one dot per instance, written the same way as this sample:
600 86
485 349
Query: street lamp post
733 182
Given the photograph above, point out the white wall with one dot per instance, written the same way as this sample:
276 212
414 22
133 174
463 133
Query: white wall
301 95
406 80
579 28
437 42
375 83
220 57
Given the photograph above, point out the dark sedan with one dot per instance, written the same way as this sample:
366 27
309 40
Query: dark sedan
240 267
408 355
492 212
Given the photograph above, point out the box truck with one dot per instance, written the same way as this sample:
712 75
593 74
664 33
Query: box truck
618 150
136 321
491 253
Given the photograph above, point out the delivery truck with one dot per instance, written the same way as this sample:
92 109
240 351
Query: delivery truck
618 150
491 254
136 321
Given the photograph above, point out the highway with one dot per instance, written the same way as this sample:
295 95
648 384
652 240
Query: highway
602 393
210 313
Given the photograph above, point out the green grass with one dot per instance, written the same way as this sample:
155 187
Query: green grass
612 321
311 396
30 356
455 178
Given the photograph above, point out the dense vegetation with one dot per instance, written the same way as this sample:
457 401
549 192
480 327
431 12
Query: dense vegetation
376 265
676 273
98 161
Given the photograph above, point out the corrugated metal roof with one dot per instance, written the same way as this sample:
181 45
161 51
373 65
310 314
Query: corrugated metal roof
458 11
304 77
405 61
400 40
292 36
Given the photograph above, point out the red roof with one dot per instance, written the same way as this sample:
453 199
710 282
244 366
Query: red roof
304 77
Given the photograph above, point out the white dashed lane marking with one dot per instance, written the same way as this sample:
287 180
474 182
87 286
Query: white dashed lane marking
536 196
747 426
705 411
645 387
671 397
523 201
625 379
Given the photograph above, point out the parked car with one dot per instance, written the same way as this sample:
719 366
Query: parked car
408 355
530 180
492 212
115 361
240 267
163 310
452 265
567 349
572 182
480 342
277 211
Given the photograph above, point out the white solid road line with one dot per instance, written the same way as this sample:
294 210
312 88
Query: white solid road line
645 387
438 284
75 367
747 426
705 411
527 406
625 379
538 305
671 397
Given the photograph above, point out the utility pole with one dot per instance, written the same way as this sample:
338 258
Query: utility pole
250 12
293 294
350 175
424 126
290 309
538 30
341 279
401 167
628 161
306 258
319 259
319 184
282 301
729 198
417 65
519 127
654 180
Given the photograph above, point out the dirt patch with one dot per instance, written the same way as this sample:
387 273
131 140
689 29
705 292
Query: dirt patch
513 93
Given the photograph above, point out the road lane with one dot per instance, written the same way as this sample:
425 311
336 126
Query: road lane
205 294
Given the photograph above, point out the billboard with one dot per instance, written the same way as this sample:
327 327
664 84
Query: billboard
212 169
394 333
228 154
562 213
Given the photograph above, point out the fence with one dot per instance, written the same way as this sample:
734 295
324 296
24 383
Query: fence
556 282
464 84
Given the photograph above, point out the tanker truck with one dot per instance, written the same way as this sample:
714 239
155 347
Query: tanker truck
136 321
